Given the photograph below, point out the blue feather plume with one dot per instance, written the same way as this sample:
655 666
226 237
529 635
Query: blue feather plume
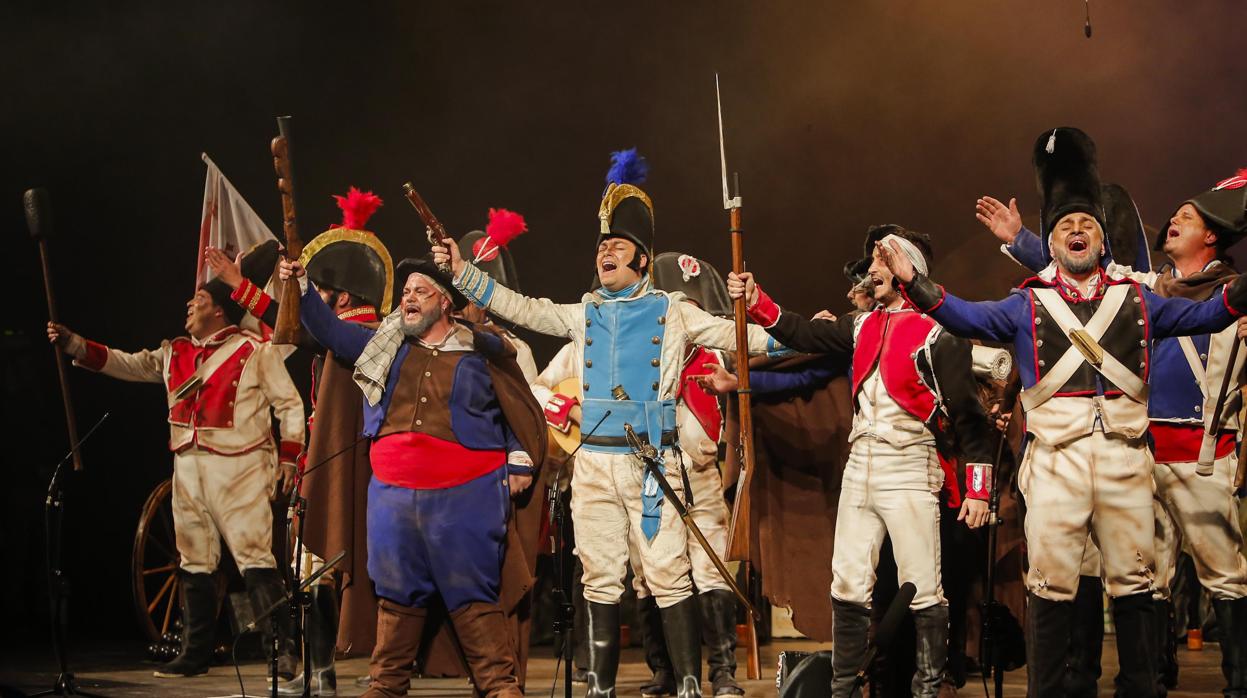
627 167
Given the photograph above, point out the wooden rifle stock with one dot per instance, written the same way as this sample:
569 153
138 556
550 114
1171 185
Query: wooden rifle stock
288 326
437 234
739 532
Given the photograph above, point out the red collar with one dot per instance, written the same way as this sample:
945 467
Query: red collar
1070 289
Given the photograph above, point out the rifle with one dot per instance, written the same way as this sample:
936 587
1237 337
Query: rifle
739 534
288 326
437 232
39 221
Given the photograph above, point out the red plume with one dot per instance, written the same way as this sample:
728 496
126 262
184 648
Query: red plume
357 207
504 226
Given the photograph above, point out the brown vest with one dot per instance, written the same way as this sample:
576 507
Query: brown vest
422 397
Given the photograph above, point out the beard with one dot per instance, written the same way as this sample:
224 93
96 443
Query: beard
1076 266
416 329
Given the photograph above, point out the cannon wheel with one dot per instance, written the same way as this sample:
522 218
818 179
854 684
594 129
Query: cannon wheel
154 564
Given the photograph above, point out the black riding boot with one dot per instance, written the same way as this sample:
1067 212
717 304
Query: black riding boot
1166 644
718 630
681 624
1134 616
322 638
662 683
1048 625
850 624
931 650
265 587
198 621
603 625
1086 639
1232 623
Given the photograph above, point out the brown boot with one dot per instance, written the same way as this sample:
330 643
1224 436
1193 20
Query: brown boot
486 641
398 638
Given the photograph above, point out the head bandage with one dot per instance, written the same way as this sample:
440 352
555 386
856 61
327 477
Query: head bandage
911 250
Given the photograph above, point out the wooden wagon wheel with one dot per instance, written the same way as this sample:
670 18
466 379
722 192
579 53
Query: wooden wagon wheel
154 564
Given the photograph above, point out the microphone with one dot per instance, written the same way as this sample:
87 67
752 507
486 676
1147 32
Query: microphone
38 207
887 628
1086 28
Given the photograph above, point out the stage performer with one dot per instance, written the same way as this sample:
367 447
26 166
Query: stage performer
1185 378
1082 340
630 341
223 385
917 414
354 275
455 434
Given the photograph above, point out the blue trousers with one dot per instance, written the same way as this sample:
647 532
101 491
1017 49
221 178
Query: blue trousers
447 541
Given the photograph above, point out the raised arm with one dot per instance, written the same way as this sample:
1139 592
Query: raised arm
713 332
145 366
346 339
1178 317
792 330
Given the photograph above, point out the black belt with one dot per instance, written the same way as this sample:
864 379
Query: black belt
668 439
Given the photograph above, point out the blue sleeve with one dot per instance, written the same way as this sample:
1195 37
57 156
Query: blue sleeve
812 376
1179 317
1027 249
996 321
346 339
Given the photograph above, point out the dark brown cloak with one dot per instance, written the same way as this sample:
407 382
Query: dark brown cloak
801 446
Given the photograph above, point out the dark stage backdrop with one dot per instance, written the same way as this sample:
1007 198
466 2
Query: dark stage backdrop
839 115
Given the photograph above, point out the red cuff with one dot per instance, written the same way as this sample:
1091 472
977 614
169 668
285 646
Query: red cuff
978 481
924 311
559 410
289 452
95 358
252 298
765 312
1225 298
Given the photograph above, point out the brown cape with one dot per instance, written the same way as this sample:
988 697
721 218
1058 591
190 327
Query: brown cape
337 510
801 446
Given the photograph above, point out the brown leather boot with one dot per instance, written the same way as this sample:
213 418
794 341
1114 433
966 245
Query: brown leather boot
398 638
486 641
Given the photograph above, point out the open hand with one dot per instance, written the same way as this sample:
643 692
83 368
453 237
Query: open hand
287 473
1004 221
973 512
448 253
227 270
898 262
825 314
742 285
718 382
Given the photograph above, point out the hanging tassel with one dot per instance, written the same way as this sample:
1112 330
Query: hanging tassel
1051 147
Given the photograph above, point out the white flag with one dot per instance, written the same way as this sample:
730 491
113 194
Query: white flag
228 221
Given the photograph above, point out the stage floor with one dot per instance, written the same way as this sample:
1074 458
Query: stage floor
116 673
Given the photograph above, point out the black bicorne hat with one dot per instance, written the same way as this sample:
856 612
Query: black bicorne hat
257 266
695 278
354 261
425 265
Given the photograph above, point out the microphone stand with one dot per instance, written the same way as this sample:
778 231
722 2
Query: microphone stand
300 598
58 584
564 620
270 612
990 652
